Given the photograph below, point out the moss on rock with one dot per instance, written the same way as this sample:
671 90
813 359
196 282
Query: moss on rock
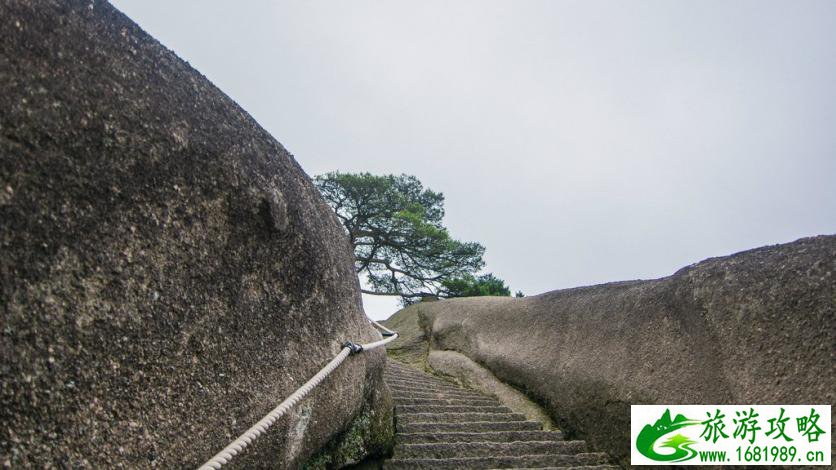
412 345
371 434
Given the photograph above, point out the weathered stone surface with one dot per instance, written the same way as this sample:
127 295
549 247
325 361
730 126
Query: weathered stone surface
471 374
169 273
757 327
412 344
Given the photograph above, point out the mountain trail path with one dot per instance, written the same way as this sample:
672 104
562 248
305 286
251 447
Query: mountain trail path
443 425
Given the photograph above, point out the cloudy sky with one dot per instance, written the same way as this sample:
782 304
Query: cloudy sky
580 141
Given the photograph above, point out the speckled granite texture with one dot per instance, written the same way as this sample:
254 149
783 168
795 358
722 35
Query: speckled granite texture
169 273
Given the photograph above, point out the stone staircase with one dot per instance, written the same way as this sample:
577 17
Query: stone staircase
442 425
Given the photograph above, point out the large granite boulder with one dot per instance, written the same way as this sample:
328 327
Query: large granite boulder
757 327
168 273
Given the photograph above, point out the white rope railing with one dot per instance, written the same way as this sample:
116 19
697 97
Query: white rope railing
235 447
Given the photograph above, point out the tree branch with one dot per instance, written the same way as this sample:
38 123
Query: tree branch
399 294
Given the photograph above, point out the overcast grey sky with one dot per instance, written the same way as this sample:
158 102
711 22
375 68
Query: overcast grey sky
580 141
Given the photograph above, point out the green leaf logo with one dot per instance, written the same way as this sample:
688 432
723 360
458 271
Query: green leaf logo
680 444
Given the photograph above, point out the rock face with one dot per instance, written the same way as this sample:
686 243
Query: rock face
757 327
169 273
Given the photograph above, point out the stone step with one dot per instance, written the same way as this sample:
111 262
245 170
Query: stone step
413 374
406 373
458 417
432 388
429 388
409 372
394 365
473 426
422 384
446 450
485 401
418 377
486 436
521 461
441 424
406 409
438 395
442 390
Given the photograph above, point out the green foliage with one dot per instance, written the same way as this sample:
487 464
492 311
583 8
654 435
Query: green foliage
470 286
400 244
519 294
370 434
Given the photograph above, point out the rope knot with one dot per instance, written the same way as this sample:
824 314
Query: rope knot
353 347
